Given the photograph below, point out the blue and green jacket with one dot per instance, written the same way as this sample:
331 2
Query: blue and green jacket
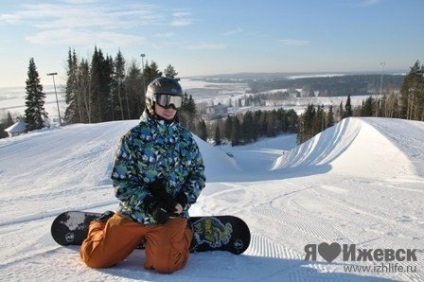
156 150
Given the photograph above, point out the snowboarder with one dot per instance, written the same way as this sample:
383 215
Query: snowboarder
157 175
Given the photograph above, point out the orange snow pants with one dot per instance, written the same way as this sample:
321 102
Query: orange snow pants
167 245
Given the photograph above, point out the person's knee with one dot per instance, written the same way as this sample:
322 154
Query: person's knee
93 258
94 264
166 270
97 263
168 267
168 261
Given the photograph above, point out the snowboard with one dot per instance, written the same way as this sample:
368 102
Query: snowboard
210 233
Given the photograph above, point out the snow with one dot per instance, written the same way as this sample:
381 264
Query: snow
17 128
360 182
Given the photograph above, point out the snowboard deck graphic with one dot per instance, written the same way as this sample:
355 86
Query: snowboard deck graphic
210 233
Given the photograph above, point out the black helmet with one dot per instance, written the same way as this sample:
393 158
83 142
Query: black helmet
161 85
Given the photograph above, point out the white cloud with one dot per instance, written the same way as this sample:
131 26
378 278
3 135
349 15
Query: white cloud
87 15
294 42
80 1
181 19
181 22
77 37
368 2
9 18
181 14
84 22
233 31
205 46
165 35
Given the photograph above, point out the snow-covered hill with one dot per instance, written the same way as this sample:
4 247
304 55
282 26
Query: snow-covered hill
360 182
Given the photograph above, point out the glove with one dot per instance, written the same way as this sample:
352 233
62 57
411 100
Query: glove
160 214
159 210
158 190
181 199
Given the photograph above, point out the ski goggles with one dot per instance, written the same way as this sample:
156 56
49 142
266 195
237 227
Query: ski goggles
167 100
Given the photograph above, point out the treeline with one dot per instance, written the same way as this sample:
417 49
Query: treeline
408 105
247 127
330 86
99 90
104 89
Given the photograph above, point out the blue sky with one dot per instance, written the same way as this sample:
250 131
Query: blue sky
201 37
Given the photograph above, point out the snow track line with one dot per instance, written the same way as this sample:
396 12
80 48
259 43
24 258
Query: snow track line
372 213
242 198
296 208
291 218
25 258
294 225
28 218
263 246
410 144
54 213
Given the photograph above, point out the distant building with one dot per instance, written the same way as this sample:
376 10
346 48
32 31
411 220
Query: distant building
293 93
216 111
17 128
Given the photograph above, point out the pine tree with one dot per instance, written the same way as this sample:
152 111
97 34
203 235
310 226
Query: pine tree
307 124
412 94
217 136
95 83
9 120
72 112
262 126
368 105
202 130
292 121
235 132
151 72
118 92
3 134
187 113
135 94
101 82
348 107
282 120
319 120
228 127
107 96
273 124
84 92
35 114
341 113
170 72
191 107
330 118
257 119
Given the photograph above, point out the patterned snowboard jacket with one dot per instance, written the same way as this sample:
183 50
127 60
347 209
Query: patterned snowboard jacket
156 150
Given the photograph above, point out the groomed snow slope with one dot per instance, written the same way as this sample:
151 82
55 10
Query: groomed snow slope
361 147
360 182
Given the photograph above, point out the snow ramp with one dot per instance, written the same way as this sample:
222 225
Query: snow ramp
354 146
218 165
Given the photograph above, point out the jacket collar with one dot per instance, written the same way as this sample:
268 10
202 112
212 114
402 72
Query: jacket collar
160 123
